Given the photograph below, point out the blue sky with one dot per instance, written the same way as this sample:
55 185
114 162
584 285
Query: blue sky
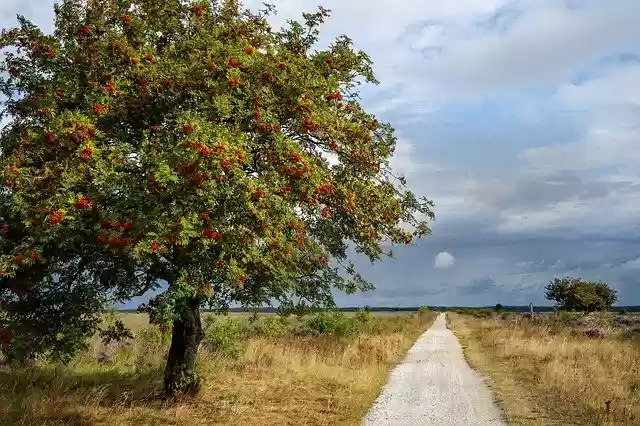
519 118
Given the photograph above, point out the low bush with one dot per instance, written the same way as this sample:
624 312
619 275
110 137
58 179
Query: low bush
567 317
363 316
226 336
332 324
271 326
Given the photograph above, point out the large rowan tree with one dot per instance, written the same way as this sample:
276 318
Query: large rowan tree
187 142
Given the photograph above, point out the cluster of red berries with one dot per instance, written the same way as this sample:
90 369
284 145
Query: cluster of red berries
83 203
211 234
233 63
86 154
115 242
257 194
198 10
267 128
324 189
309 125
198 179
81 132
188 128
186 168
56 217
123 225
99 109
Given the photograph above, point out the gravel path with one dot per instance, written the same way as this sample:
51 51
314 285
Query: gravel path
434 385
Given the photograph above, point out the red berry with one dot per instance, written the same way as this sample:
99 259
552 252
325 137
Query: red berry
56 217
5 227
125 225
204 217
86 154
257 194
155 247
99 109
198 10
210 233
126 19
248 50
83 203
134 60
188 128
233 63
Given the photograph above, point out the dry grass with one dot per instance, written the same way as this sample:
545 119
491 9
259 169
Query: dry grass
548 375
283 380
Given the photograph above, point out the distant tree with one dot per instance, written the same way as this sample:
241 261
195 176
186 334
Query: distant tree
498 307
576 294
186 142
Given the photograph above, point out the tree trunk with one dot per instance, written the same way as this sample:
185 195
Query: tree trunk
180 375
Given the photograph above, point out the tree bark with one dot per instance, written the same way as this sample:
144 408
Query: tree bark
180 375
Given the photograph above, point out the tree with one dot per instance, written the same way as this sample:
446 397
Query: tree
189 143
498 307
575 294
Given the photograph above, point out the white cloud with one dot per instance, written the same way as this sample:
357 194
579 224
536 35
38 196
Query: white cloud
443 260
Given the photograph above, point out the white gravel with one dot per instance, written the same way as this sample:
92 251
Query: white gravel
434 385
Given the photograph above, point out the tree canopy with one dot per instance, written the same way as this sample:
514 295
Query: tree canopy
191 143
576 294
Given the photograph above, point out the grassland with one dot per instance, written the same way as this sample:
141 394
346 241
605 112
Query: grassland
557 370
264 373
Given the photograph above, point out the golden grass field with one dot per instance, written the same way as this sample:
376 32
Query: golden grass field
287 379
544 374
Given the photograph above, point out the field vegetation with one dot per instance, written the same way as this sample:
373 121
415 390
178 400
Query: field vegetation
564 368
326 368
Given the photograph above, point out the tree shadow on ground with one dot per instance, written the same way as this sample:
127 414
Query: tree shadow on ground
62 396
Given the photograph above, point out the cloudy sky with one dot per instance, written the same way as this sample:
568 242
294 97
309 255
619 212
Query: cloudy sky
519 118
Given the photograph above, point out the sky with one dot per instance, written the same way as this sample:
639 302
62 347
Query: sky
520 119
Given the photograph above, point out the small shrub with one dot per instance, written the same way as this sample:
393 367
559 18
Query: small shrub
423 310
332 324
480 313
363 316
568 317
225 337
270 326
